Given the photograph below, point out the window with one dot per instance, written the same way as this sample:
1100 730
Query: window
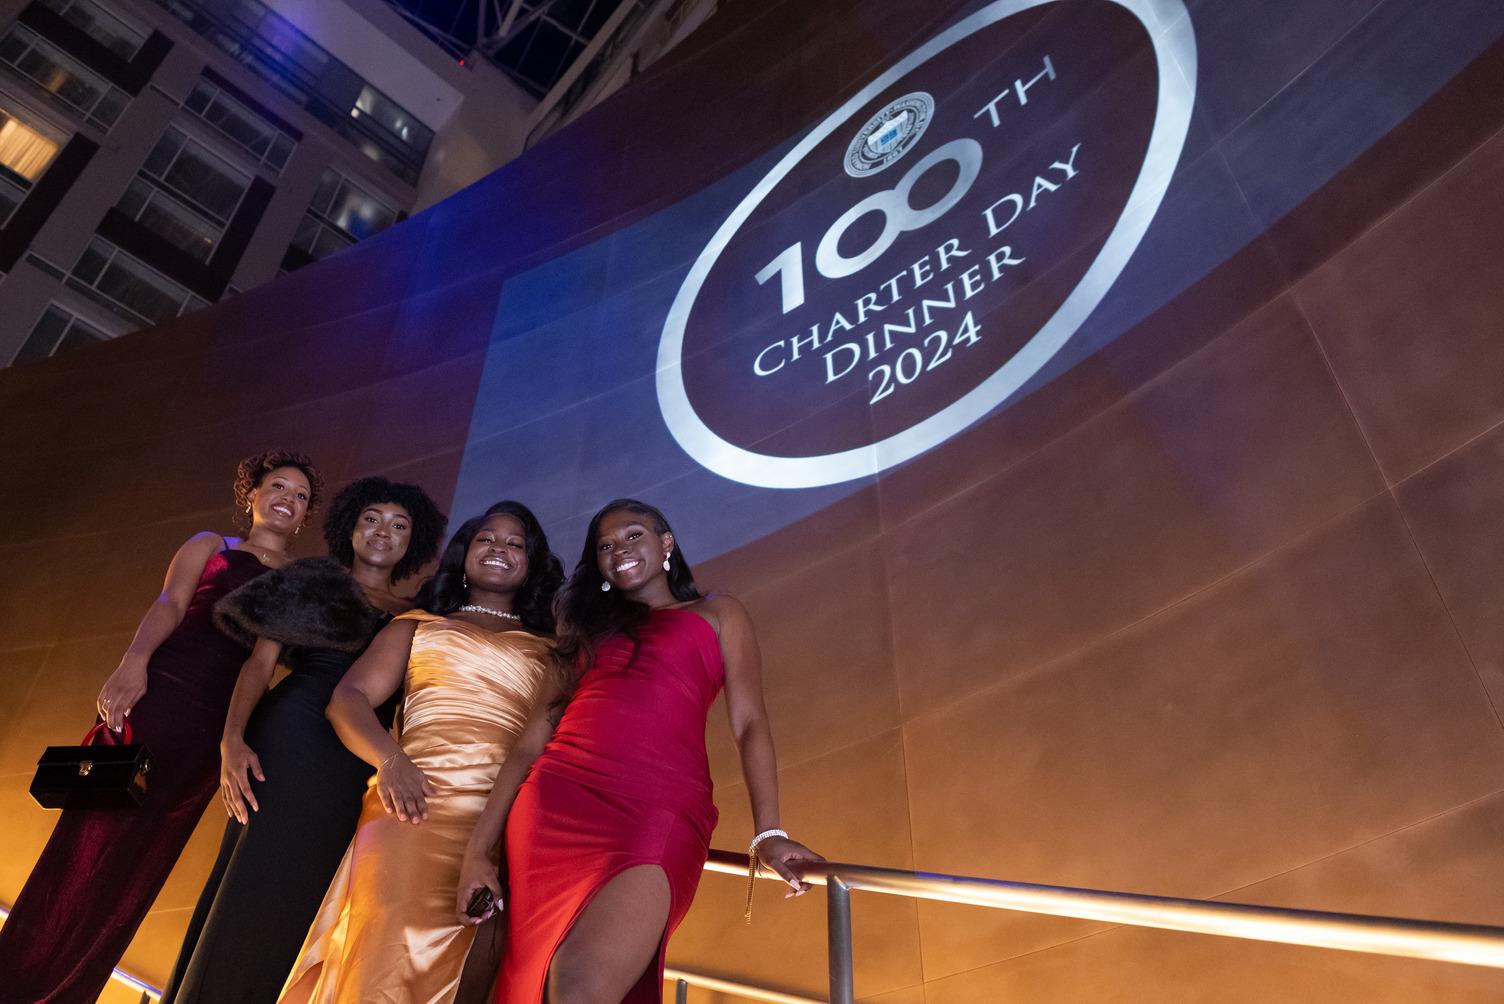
375 107
57 330
101 24
130 288
341 213
379 148
25 52
185 194
274 49
264 141
301 54
170 219
318 239
25 154
387 133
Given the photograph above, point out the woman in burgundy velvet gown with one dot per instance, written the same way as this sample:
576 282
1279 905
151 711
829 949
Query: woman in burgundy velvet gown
102 868
606 796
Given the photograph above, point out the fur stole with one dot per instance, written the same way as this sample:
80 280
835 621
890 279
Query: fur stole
308 603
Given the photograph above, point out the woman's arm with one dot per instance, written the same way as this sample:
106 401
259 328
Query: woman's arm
373 678
128 683
754 736
478 868
236 759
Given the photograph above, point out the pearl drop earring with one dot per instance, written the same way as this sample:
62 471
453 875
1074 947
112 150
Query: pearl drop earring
605 586
464 581
665 560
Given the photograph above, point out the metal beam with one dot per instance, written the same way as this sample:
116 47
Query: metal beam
504 27
564 83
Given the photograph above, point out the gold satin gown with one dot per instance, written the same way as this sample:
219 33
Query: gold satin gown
387 932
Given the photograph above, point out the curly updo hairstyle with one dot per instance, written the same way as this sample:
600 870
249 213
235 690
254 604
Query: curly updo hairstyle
589 616
446 592
427 522
254 469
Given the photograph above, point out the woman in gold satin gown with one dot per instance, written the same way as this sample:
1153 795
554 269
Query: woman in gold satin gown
472 659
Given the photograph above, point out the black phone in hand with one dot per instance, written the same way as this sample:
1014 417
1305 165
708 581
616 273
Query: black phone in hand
480 903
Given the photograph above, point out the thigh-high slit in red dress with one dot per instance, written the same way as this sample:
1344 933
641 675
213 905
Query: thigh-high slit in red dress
624 782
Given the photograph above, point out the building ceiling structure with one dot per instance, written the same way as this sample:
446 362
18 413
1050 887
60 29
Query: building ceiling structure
532 41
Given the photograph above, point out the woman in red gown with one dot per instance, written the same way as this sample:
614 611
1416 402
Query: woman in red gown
606 796
102 868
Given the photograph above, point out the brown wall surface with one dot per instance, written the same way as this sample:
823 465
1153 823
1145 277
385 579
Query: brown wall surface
1212 613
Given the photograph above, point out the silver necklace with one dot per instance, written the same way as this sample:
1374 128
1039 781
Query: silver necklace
474 608
261 554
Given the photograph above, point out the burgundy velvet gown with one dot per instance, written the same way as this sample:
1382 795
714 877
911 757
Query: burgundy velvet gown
625 781
102 868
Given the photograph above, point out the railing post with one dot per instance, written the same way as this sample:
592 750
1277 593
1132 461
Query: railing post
838 940
681 992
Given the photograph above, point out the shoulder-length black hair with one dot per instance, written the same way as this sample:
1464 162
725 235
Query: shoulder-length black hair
587 615
446 592
423 541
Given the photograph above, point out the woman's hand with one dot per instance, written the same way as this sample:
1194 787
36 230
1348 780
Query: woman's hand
237 764
404 789
121 691
477 873
779 854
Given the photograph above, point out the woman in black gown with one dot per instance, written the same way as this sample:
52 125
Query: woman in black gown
102 868
291 788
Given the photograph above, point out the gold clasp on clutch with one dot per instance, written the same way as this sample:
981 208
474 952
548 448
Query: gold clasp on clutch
85 768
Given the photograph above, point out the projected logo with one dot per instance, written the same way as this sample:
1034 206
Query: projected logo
889 134
927 249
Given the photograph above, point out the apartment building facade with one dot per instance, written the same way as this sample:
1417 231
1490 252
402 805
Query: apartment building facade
157 156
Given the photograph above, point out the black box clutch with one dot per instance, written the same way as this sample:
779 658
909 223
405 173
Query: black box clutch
111 775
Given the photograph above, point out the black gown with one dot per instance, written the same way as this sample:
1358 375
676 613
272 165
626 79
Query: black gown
272 873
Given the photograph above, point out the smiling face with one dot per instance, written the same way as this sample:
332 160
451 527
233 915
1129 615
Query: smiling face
382 532
497 559
629 551
280 502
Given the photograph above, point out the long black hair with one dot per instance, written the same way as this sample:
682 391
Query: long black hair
344 513
446 592
588 616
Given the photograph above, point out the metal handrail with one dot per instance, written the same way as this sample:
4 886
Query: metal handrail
684 980
1469 944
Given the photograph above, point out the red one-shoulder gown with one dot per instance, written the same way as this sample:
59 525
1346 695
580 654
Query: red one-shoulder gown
624 782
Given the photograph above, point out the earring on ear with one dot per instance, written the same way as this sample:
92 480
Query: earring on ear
665 560
605 586
298 530
464 581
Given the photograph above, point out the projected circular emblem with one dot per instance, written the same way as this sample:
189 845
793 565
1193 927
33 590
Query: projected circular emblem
889 134
926 250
